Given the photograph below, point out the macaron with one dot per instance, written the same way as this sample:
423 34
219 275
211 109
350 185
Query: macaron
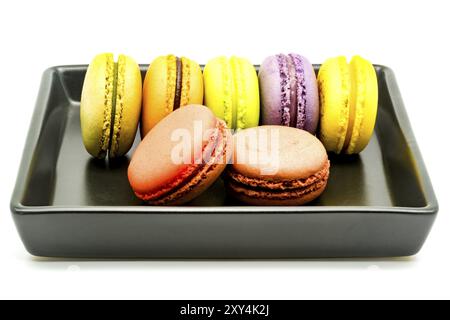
180 157
232 91
110 105
170 83
277 165
349 102
289 94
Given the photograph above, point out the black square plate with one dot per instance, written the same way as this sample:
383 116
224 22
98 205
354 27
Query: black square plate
65 204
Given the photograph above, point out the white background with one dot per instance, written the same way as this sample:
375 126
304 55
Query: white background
412 37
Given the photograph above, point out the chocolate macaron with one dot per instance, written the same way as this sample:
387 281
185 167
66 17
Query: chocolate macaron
277 165
180 157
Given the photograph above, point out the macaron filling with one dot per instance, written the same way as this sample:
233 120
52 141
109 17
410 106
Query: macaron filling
280 195
185 87
117 118
178 85
280 184
293 86
358 80
293 90
285 90
210 154
277 189
300 101
113 104
113 99
200 175
107 107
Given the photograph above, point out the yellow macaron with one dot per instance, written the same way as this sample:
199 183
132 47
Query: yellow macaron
348 104
232 91
170 83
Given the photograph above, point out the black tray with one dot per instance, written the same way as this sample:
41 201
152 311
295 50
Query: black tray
65 204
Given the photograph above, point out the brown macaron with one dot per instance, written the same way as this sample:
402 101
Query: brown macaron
275 165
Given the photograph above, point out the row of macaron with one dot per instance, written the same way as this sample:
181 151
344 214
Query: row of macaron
339 104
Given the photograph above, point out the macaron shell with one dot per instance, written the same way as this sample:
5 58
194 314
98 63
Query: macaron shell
203 179
365 101
296 154
246 93
128 106
152 166
192 86
232 91
334 90
280 185
158 92
312 108
96 105
270 86
219 88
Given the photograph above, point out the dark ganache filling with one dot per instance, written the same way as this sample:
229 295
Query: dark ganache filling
113 104
293 90
179 83
278 186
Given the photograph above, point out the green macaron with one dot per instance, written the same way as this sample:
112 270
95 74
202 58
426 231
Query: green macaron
110 105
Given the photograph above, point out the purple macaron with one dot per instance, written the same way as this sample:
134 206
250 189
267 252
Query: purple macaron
289 94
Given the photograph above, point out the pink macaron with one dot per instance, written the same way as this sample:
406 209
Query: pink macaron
180 157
